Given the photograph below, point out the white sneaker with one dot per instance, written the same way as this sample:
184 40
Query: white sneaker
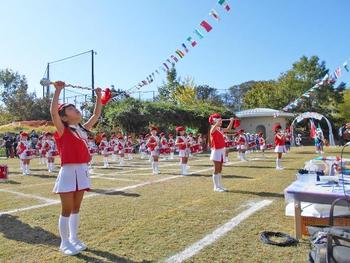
219 190
68 249
225 190
80 246
279 168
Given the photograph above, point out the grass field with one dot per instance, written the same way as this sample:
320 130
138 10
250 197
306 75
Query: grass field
134 216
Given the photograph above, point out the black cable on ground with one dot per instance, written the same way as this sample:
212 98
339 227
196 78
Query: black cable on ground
287 240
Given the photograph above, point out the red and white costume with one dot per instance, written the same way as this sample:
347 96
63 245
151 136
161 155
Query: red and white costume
104 147
50 148
183 146
24 150
142 146
25 153
153 145
164 146
262 143
93 149
129 146
105 150
74 173
241 142
217 145
41 151
171 145
280 143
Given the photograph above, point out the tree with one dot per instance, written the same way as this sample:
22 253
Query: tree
19 104
185 94
167 90
127 113
263 94
208 94
293 84
14 94
234 98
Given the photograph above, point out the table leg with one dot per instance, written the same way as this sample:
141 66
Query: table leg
297 219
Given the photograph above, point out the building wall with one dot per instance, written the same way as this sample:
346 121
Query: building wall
250 125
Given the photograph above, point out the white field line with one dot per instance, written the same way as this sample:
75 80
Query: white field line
29 186
218 233
100 176
54 202
46 200
143 168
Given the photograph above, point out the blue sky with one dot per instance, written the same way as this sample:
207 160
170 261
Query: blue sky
256 40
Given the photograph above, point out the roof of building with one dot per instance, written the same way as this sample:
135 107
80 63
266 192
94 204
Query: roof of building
263 112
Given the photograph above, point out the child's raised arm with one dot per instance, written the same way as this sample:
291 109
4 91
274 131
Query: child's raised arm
59 85
97 111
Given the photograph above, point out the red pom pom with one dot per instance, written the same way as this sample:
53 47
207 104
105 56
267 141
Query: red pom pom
236 123
106 96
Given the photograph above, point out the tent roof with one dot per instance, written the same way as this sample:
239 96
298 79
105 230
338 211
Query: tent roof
263 112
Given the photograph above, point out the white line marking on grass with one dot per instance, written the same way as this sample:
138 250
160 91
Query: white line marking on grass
100 176
46 200
218 233
14 211
141 168
54 202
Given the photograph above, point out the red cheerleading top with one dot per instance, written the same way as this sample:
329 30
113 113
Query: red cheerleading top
217 140
182 142
261 141
280 142
152 143
72 148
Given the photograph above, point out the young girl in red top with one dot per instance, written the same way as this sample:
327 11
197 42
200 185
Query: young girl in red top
280 142
73 179
164 146
104 148
262 143
129 148
182 142
217 143
24 152
153 146
39 147
121 149
171 144
50 149
242 145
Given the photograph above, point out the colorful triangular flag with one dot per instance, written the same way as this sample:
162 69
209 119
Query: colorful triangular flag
337 72
184 46
198 33
174 58
214 14
179 53
192 41
206 26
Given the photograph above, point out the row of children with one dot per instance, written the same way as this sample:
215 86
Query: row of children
45 148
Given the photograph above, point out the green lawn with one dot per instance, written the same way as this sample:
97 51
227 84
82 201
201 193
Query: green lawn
149 223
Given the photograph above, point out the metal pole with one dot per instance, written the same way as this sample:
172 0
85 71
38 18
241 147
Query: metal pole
92 73
48 77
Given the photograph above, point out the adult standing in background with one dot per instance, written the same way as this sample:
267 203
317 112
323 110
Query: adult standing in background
8 143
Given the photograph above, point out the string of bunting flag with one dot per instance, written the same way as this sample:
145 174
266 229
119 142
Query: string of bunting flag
181 52
327 79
